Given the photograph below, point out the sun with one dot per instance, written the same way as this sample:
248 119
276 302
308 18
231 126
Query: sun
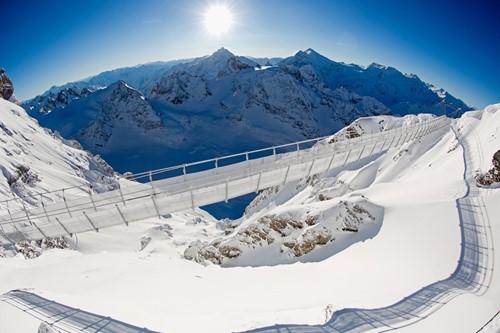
218 20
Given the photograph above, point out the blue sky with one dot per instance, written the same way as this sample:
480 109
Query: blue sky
452 44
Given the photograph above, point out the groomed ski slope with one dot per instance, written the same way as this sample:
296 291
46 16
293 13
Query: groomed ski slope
418 244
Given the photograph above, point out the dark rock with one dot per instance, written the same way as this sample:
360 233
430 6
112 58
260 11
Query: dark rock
6 87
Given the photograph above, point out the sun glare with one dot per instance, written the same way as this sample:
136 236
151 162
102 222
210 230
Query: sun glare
218 20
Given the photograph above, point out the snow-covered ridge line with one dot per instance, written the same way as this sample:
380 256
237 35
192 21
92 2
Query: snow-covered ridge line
134 201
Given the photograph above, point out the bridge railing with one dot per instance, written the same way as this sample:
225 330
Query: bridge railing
178 188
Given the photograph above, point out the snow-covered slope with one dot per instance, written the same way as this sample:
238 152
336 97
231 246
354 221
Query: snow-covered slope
411 192
35 161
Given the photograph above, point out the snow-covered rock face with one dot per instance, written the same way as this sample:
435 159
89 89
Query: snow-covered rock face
401 93
300 97
36 161
44 104
6 87
122 111
108 120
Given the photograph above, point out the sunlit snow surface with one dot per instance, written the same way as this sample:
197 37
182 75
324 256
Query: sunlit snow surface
417 244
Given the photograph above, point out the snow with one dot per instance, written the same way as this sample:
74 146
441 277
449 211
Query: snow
418 244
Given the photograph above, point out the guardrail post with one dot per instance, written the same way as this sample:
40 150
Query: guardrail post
121 192
62 225
382 148
347 157
371 152
154 194
286 174
192 197
390 144
91 197
216 166
10 214
40 230
121 214
19 231
399 139
361 153
90 221
184 175
258 182
404 140
331 161
44 209
66 204
227 190
6 237
312 164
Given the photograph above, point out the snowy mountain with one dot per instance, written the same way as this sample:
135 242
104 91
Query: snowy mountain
141 77
223 104
401 93
44 104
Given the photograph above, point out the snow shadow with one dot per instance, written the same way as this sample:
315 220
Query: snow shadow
472 275
65 318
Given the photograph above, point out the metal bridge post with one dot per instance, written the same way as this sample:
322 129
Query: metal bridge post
62 225
312 164
10 214
2 232
121 214
121 192
399 139
66 204
361 153
331 161
192 197
371 152
90 221
286 174
347 157
404 140
40 230
227 190
91 197
382 148
414 134
26 212
184 175
154 193
19 231
390 144
258 182
44 209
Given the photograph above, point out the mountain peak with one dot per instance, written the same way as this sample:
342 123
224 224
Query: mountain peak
222 53
309 56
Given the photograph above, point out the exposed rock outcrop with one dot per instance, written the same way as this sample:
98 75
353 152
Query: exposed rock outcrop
6 87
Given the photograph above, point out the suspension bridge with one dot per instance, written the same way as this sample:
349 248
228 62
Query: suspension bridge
76 210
